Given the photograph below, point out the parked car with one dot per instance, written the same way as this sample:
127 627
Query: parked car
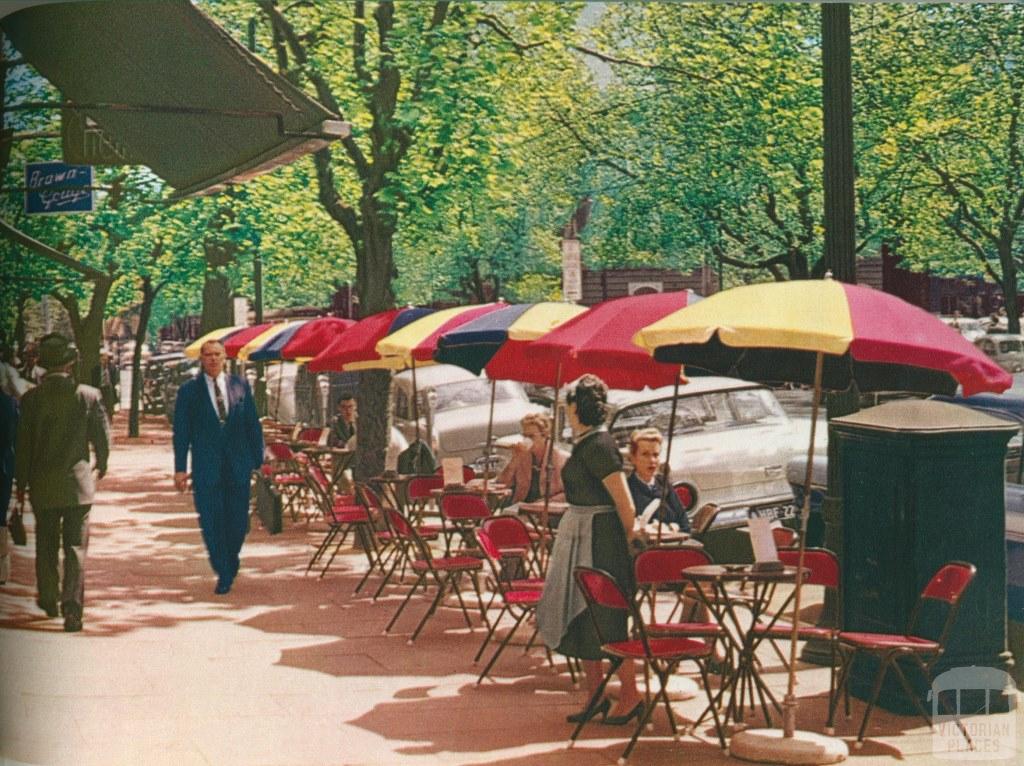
731 439
1005 349
969 327
453 408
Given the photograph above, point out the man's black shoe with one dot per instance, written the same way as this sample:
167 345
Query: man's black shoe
72 624
223 586
50 609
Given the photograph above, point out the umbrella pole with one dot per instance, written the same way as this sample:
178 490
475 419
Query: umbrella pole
788 745
668 450
549 466
789 702
415 402
490 436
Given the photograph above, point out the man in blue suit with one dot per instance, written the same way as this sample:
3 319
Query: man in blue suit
215 417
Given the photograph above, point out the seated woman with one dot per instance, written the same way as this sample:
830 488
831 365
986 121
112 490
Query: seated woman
525 472
646 483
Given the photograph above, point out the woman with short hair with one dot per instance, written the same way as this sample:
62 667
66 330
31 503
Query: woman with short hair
526 471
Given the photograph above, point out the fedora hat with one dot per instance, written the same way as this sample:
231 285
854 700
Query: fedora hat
56 351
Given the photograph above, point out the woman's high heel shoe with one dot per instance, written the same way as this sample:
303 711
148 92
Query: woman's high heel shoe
601 709
622 720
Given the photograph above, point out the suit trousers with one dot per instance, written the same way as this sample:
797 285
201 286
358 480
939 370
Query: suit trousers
53 526
224 520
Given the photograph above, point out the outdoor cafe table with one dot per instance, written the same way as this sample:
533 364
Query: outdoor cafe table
393 487
743 680
332 461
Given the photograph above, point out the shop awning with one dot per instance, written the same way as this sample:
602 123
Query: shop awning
171 89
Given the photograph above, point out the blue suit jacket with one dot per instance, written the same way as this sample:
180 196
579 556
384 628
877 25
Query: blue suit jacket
226 453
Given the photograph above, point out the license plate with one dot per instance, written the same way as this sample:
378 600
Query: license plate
774 512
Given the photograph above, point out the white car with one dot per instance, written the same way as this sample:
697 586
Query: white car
731 441
1004 349
454 405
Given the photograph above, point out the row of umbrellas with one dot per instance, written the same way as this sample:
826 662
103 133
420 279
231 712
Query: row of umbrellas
818 332
766 332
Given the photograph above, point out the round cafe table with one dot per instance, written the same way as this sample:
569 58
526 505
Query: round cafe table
743 681
332 461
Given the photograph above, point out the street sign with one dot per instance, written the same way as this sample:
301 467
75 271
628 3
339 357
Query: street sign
572 272
56 187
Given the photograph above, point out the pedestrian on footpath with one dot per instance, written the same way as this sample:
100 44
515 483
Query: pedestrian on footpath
215 419
8 433
60 420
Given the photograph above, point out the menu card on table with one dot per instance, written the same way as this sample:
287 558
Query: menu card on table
766 555
451 471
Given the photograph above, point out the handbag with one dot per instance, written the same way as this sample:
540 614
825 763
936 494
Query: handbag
269 505
16 528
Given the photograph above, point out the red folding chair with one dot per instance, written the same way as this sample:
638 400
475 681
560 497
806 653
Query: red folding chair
468 474
660 569
946 587
823 570
784 537
661 655
342 514
288 473
391 545
520 603
444 572
419 495
310 435
513 540
462 513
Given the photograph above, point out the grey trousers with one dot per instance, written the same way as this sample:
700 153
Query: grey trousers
54 525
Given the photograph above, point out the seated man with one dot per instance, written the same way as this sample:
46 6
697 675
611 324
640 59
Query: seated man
343 428
645 483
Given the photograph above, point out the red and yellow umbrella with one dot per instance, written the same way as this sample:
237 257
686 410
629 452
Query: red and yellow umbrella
358 344
774 332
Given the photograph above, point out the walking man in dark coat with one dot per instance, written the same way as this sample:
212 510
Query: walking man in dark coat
59 421
215 418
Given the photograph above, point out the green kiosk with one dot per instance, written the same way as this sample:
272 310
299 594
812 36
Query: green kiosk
922 484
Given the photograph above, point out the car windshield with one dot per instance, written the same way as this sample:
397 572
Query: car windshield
705 412
471 393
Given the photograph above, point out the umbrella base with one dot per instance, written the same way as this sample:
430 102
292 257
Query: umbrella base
770 746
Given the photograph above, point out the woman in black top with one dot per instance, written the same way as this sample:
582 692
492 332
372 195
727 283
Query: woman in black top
596 531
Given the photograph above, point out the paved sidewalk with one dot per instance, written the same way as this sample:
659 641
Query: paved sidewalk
290 669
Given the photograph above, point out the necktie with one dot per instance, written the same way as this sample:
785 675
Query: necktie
222 411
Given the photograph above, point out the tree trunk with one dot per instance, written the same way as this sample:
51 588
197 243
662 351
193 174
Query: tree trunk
837 105
373 402
1009 269
375 271
216 302
145 310
88 330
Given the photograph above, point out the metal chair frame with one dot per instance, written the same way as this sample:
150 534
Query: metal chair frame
662 655
947 585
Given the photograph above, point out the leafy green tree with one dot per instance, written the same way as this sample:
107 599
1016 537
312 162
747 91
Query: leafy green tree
954 127
420 84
